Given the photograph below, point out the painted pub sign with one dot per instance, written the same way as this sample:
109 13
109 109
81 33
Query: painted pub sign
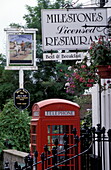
21 48
72 29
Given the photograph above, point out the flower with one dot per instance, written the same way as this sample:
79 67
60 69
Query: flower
83 66
81 77
106 85
67 84
69 68
100 52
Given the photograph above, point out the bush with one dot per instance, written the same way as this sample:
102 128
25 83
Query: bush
14 128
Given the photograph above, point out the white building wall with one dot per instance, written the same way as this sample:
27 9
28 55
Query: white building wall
105 105
105 100
105 113
95 105
106 108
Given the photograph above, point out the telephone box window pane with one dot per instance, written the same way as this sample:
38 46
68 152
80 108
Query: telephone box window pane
33 148
49 137
61 129
49 148
53 138
33 129
72 139
59 137
49 131
66 129
71 128
36 113
34 139
55 129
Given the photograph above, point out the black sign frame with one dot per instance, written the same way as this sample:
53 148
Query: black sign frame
21 98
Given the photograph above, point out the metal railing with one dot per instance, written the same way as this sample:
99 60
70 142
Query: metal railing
92 155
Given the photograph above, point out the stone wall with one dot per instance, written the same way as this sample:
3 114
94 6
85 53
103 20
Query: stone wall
12 156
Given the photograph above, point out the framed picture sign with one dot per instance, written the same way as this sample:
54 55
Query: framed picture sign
21 48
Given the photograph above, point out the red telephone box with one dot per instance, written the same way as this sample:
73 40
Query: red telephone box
52 118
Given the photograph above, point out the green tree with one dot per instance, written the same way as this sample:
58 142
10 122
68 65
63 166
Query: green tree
14 128
48 81
8 82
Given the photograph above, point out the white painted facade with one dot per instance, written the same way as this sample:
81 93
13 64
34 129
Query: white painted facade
105 113
105 105
105 99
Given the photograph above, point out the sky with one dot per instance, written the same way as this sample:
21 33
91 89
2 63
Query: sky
12 11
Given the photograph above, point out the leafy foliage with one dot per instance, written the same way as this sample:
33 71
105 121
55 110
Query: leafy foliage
14 128
14 25
81 77
48 81
100 52
8 82
87 119
85 103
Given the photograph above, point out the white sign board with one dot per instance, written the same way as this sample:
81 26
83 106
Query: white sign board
59 113
63 56
64 29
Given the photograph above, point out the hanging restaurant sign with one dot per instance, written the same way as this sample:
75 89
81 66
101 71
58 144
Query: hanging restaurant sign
65 29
